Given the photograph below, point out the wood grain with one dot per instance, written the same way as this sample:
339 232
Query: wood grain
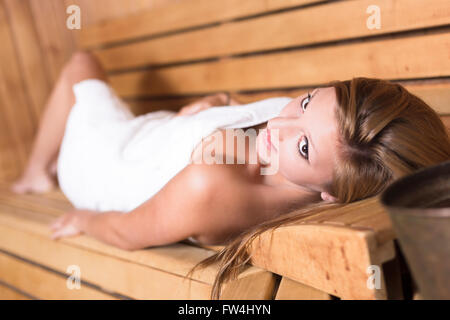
7 293
294 28
126 269
297 68
44 284
30 55
14 101
293 290
178 16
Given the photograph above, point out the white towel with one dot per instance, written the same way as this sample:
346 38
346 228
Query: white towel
112 160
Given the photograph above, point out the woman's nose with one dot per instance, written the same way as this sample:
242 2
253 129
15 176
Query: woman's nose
282 122
284 125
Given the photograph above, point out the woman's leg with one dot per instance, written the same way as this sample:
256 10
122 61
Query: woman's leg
40 170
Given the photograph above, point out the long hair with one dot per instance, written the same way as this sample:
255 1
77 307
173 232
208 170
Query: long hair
385 132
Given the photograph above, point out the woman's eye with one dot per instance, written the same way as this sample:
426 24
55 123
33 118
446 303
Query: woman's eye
305 102
303 148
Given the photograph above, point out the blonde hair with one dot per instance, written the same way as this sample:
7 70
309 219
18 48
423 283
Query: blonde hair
385 133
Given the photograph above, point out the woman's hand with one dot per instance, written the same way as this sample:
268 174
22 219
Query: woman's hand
71 223
219 99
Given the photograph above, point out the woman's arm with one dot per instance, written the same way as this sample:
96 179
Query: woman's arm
195 203
219 99
232 101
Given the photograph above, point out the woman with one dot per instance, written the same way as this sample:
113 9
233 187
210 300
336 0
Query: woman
337 144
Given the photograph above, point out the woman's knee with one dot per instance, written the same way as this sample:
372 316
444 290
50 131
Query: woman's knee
83 65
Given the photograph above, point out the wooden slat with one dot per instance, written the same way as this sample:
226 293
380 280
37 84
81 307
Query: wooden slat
9 166
56 39
177 259
55 194
30 55
293 28
44 206
14 103
330 259
98 11
126 270
353 217
351 208
177 16
381 226
410 57
122 277
293 290
260 285
7 293
42 283
435 93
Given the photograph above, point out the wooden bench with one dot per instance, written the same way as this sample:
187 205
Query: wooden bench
169 56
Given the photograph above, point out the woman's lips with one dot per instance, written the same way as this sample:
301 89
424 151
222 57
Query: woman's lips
269 141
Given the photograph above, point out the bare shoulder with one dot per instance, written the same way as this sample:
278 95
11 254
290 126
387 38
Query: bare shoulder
229 201
201 201
227 146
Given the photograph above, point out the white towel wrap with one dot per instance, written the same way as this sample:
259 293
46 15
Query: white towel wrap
112 160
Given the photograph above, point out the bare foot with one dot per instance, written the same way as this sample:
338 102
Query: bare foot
33 182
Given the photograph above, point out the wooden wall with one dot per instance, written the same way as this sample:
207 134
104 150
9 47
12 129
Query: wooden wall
35 44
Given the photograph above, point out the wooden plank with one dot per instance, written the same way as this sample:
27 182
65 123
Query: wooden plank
293 290
160 265
178 16
55 194
98 11
56 40
329 258
29 53
9 166
409 57
259 286
42 206
435 93
53 199
112 274
294 28
318 256
14 102
380 224
8 293
351 208
42 283
356 216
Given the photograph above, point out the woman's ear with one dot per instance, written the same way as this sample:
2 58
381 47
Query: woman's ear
327 197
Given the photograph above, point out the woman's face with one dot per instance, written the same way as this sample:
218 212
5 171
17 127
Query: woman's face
307 139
